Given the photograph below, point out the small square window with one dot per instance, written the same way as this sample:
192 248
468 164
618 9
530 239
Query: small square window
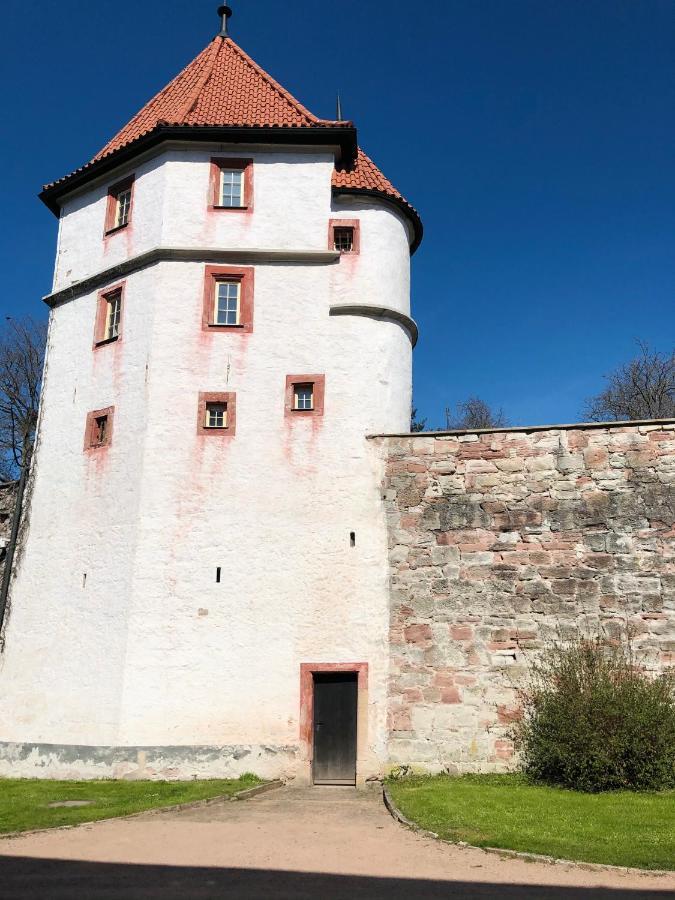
98 432
344 236
227 303
231 188
216 415
344 239
303 396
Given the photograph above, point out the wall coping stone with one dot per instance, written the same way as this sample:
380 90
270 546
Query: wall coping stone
518 429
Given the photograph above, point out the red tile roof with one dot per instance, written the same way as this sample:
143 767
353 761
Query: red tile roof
363 176
224 88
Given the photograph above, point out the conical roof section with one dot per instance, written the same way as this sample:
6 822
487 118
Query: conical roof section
222 86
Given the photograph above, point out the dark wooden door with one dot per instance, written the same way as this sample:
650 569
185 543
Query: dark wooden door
335 700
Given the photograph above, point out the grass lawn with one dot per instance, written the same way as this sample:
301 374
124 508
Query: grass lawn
24 802
620 829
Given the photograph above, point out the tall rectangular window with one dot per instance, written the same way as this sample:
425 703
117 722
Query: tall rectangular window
109 311
232 184
123 208
98 430
231 187
120 203
227 303
114 311
228 299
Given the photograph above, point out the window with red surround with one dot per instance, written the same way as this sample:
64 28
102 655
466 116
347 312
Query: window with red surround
217 414
228 299
120 205
344 235
109 306
305 395
231 184
99 428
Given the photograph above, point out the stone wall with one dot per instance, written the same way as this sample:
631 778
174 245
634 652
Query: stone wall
501 542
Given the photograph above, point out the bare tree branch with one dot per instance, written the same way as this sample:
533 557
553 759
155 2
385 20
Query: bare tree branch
643 388
474 413
22 343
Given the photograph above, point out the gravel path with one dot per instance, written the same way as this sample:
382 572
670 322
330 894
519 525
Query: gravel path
302 844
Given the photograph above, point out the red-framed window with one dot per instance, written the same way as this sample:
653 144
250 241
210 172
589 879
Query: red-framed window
99 428
217 414
305 395
120 205
344 235
232 184
228 299
109 312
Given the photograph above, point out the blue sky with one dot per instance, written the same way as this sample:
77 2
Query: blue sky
535 137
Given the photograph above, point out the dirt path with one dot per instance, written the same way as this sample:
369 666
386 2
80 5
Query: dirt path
313 844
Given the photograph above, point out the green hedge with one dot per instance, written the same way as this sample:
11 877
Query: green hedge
594 721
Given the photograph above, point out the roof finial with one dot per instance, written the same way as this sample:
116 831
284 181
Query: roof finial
338 109
224 12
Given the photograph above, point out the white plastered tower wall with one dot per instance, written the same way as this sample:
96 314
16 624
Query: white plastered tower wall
147 665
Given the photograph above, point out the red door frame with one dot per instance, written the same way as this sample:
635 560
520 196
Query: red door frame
307 671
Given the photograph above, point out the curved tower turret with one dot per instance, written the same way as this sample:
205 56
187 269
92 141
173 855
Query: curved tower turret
204 571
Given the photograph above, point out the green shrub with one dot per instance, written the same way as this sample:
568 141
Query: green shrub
593 721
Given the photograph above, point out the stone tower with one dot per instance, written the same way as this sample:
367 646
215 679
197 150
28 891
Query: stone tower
205 541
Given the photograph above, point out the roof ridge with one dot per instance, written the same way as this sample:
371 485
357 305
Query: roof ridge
155 97
203 80
288 97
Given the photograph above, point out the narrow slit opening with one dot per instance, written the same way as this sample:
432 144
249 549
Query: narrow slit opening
352 539
218 575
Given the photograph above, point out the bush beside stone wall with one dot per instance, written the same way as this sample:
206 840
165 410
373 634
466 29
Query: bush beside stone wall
502 542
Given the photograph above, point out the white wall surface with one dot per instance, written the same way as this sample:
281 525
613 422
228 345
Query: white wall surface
152 652
85 249
291 193
381 273
66 635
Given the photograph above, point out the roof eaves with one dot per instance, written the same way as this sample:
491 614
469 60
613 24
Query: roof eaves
342 134
396 200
